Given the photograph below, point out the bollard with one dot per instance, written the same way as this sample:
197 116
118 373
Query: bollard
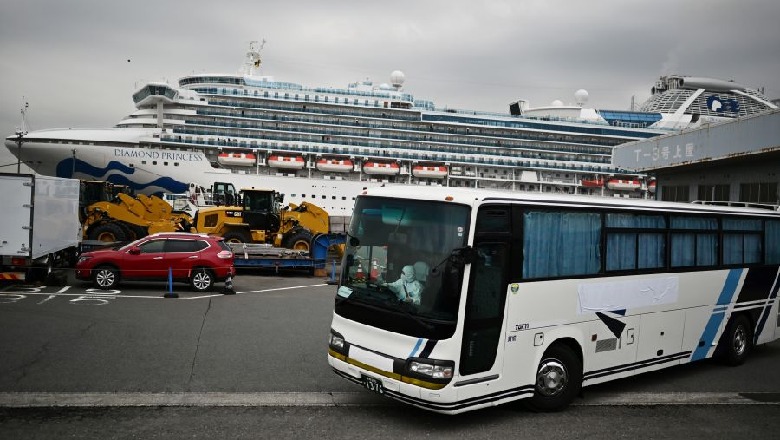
228 289
332 279
170 293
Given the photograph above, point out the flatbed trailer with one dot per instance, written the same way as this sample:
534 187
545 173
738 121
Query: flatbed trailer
264 256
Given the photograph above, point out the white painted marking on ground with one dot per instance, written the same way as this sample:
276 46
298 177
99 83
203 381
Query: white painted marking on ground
284 288
47 299
204 296
302 399
99 297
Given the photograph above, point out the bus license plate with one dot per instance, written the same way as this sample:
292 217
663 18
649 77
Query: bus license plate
372 384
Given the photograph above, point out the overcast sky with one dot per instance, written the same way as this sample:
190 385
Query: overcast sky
78 62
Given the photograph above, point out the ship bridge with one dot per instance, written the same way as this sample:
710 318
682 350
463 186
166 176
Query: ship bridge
157 94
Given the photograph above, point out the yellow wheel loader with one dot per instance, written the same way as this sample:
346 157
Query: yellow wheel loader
260 218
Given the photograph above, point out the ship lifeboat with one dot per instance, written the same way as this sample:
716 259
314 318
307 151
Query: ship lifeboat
623 185
237 159
334 165
292 162
592 183
383 168
430 172
651 186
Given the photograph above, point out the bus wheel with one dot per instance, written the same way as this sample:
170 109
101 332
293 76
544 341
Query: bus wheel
736 342
558 380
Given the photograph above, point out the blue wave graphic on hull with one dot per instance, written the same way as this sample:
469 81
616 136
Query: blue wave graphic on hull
66 167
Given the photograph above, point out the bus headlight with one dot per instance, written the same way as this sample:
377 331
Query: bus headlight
337 343
430 368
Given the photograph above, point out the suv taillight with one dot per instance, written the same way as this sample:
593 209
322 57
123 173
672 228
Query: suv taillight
225 255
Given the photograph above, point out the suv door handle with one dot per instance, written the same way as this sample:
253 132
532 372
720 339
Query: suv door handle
158 258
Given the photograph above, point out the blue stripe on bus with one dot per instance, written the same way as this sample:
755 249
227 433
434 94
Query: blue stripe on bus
416 347
767 308
716 319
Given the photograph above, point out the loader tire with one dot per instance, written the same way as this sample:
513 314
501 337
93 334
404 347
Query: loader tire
237 237
298 239
107 232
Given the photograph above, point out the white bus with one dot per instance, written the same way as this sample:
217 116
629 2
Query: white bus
532 296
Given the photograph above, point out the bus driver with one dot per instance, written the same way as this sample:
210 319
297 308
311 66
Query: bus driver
407 288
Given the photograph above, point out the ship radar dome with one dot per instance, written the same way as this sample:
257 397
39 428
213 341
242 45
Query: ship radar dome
397 78
581 97
557 103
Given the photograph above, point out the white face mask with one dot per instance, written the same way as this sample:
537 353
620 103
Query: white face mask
407 275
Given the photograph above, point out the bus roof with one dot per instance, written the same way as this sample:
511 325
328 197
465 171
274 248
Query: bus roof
472 196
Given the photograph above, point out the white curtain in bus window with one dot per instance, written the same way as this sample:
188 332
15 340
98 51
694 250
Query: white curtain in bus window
772 240
561 243
694 241
635 241
741 241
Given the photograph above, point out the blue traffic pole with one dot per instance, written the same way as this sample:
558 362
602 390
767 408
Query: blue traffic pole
170 293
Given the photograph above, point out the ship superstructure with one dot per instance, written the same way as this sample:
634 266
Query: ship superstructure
325 145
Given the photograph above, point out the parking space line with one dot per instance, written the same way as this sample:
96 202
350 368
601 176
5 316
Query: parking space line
285 288
96 294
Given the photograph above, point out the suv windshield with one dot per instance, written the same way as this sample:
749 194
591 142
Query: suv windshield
398 271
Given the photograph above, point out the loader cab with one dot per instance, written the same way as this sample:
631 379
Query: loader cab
116 189
224 194
261 208
93 191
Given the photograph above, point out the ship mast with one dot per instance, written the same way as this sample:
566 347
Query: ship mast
253 59
20 132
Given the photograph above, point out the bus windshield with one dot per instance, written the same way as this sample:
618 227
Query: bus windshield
401 270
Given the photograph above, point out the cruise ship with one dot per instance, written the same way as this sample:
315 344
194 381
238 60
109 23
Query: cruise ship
326 145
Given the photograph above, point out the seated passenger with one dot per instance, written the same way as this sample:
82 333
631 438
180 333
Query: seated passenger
406 288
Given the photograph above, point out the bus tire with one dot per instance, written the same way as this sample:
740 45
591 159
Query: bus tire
736 342
558 379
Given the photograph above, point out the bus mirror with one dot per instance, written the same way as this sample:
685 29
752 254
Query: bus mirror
464 255
354 241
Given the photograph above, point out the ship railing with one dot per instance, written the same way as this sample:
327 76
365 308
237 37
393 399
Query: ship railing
418 155
425 141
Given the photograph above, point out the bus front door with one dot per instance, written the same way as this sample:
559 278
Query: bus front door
484 308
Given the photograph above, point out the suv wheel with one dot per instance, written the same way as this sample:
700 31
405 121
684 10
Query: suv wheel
201 280
106 277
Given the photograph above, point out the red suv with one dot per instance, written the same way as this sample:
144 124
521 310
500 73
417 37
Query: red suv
198 259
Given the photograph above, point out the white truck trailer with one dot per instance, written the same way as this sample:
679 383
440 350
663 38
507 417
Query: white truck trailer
39 225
